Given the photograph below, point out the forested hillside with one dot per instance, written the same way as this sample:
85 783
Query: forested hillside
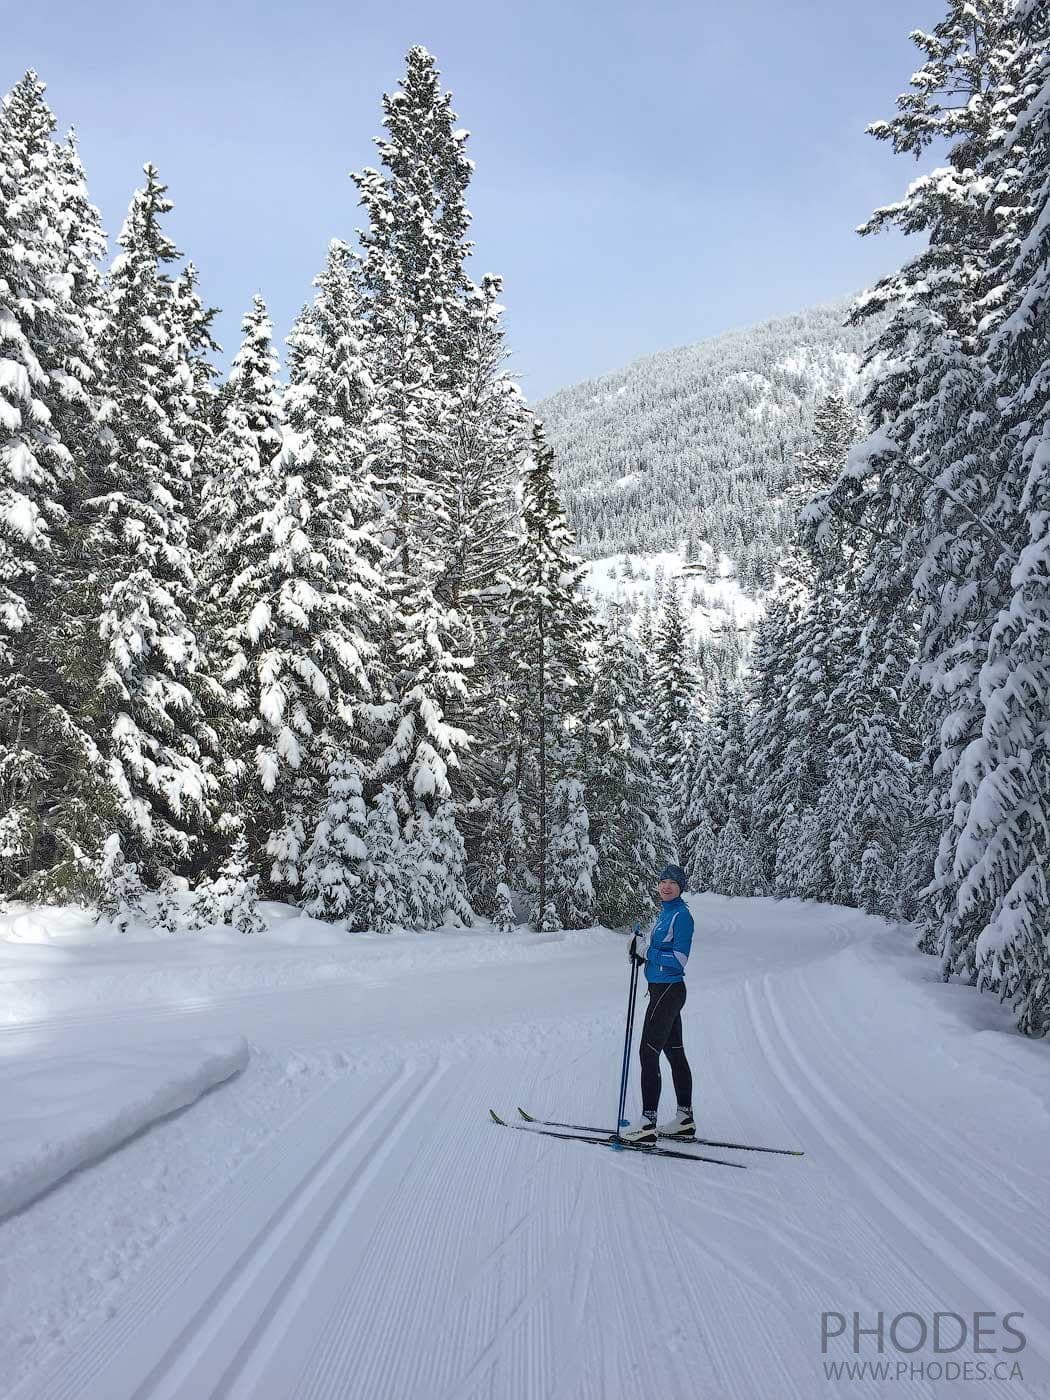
701 443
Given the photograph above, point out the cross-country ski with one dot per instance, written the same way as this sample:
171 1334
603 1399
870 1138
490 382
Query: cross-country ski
611 1141
701 1142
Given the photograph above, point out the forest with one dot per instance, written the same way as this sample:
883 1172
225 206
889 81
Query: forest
321 634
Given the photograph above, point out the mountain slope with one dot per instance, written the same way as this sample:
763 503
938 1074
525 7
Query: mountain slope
700 444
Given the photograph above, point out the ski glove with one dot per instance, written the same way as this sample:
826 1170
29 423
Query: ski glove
638 947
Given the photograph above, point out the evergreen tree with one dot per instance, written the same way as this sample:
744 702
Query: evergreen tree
53 797
150 698
195 321
248 439
705 812
239 481
571 857
307 609
384 870
231 898
422 321
871 781
1003 850
918 494
628 823
550 623
673 696
486 445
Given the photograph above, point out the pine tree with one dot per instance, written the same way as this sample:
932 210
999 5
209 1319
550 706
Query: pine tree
768 711
304 606
571 857
550 623
150 698
673 696
1003 850
384 871
246 442
422 318
730 874
239 481
628 823
923 496
299 649
231 898
53 797
871 778
423 750
486 447
195 321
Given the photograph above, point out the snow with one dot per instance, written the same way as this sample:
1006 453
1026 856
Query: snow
837 372
342 1220
59 1112
20 514
721 603
14 379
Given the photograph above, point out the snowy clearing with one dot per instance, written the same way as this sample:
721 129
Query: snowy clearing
713 600
342 1220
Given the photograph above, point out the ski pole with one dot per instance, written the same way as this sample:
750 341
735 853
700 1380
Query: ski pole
628 1036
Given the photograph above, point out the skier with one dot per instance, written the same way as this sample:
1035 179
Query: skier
665 953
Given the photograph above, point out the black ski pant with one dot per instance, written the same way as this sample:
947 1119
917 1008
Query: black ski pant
662 1033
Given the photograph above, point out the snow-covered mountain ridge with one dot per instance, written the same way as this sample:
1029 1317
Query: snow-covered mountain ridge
699 444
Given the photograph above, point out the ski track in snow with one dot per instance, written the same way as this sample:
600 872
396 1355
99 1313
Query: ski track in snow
345 1223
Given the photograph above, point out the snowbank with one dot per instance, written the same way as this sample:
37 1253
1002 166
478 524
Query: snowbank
56 1114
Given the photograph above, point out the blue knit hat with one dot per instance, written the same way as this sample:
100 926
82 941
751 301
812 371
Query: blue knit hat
677 874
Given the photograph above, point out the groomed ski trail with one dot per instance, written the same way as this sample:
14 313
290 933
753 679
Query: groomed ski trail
382 1241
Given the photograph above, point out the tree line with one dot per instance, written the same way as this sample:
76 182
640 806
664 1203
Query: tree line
891 746
321 638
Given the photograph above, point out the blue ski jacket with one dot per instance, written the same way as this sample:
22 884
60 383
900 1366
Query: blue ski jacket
669 943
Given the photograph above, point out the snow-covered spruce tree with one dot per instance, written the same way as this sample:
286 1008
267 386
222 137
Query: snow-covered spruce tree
705 811
385 866
149 702
729 867
296 664
195 320
328 404
420 315
239 481
673 697
119 889
305 605
230 897
1003 849
628 823
799 660
867 802
926 494
486 444
550 623
572 858
53 796
835 429
767 721
733 869
248 438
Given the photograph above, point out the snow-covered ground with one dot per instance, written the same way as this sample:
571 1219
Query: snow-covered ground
713 601
341 1219
60 1111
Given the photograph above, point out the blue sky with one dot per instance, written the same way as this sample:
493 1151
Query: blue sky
648 174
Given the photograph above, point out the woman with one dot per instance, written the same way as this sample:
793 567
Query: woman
665 953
